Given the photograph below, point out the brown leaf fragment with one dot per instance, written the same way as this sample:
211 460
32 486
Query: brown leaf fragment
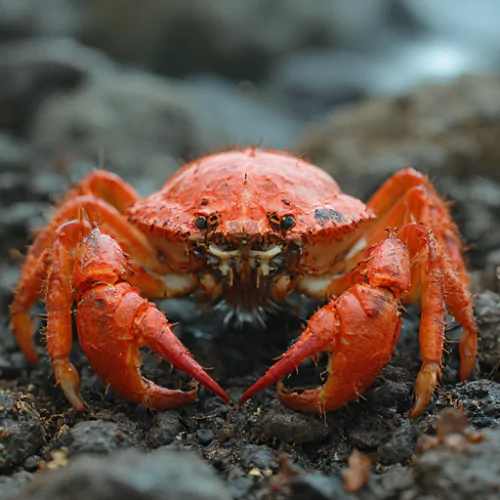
358 471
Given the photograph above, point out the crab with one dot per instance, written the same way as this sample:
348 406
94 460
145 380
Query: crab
247 228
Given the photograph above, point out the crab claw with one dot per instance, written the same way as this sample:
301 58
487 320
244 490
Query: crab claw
114 321
358 331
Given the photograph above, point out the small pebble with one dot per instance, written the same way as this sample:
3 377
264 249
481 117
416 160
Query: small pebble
204 436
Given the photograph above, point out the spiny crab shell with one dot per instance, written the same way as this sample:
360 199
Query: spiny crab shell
241 217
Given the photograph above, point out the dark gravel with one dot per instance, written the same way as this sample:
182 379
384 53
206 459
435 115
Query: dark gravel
21 431
94 437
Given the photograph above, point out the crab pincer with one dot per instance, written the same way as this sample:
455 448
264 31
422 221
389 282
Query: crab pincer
114 322
358 330
345 329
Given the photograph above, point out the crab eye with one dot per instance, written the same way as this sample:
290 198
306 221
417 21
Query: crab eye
201 223
287 222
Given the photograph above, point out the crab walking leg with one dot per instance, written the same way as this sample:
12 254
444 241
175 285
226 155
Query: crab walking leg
440 286
59 299
27 293
407 197
35 268
359 330
414 200
113 322
408 201
108 187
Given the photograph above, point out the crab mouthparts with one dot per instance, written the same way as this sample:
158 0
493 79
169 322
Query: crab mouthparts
245 261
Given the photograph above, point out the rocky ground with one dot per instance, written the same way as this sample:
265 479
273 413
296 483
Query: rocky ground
65 107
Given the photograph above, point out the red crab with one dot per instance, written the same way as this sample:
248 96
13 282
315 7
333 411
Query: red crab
247 227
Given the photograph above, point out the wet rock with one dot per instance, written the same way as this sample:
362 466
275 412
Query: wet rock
20 219
471 472
32 463
253 455
140 122
15 156
401 445
446 131
368 436
436 128
21 431
204 436
131 474
28 18
239 482
241 41
10 486
166 425
245 113
313 81
96 437
458 21
477 210
393 484
392 389
490 278
487 309
289 426
35 69
316 486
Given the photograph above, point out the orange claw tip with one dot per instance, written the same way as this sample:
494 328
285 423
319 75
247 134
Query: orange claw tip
191 367
254 389
427 380
307 345
279 370
418 408
308 400
161 398
74 399
214 387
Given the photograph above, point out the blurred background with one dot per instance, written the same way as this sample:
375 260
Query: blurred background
140 87
159 79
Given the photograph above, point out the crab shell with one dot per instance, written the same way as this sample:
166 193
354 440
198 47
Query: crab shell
244 216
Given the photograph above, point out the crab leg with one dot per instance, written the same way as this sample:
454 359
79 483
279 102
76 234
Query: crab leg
36 266
438 276
108 187
439 286
359 330
407 197
114 321
59 299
